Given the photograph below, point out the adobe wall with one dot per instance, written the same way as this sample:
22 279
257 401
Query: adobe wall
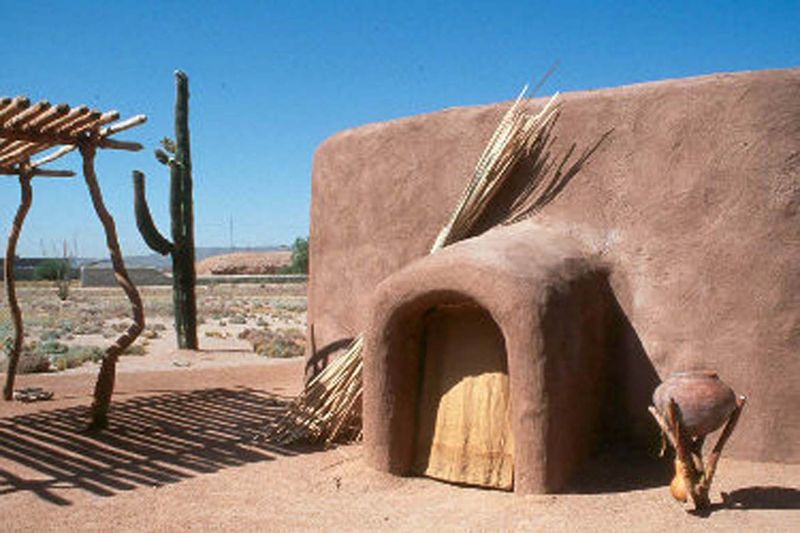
693 200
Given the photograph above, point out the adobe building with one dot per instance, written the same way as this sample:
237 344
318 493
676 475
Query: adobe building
669 240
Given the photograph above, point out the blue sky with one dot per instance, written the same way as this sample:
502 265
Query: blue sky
271 80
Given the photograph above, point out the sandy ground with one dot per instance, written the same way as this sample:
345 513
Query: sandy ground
185 452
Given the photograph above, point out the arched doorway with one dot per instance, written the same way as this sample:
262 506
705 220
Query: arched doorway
464 408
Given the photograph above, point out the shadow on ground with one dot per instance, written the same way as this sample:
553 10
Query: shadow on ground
764 498
621 471
152 441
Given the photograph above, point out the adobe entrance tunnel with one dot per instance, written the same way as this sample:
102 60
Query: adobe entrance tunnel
493 369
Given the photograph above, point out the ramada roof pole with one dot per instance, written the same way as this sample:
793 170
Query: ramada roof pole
27 130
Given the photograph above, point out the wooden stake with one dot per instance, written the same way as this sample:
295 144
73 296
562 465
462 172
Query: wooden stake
70 135
50 116
716 452
28 115
37 172
124 125
61 152
104 387
26 197
693 478
119 145
9 145
17 104
22 153
75 113
80 124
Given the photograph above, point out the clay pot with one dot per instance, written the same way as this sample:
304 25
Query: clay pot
705 402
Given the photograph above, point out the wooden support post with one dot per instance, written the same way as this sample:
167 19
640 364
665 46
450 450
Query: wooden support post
716 452
104 387
26 197
693 478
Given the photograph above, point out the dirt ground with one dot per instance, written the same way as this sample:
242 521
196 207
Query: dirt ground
186 451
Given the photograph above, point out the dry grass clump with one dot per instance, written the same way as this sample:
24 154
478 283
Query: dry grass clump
225 304
283 343
30 362
137 349
87 326
76 356
51 355
150 334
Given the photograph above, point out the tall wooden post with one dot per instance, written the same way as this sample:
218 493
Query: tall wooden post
26 197
105 380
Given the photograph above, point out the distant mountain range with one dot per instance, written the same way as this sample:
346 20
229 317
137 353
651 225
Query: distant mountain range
163 262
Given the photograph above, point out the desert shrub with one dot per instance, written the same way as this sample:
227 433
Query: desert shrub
52 270
281 344
150 334
51 347
30 361
154 331
49 335
77 356
89 353
135 349
88 328
63 362
62 289
299 264
288 304
61 330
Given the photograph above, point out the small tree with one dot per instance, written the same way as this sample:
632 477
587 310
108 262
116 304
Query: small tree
57 270
299 264
51 270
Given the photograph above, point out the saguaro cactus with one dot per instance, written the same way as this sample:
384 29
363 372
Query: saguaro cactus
177 156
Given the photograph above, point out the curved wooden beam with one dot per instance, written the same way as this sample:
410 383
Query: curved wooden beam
26 198
693 478
104 387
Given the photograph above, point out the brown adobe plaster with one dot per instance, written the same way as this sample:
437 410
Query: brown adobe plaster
693 202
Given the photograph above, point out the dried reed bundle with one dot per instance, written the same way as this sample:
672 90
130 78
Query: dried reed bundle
511 141
329 409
